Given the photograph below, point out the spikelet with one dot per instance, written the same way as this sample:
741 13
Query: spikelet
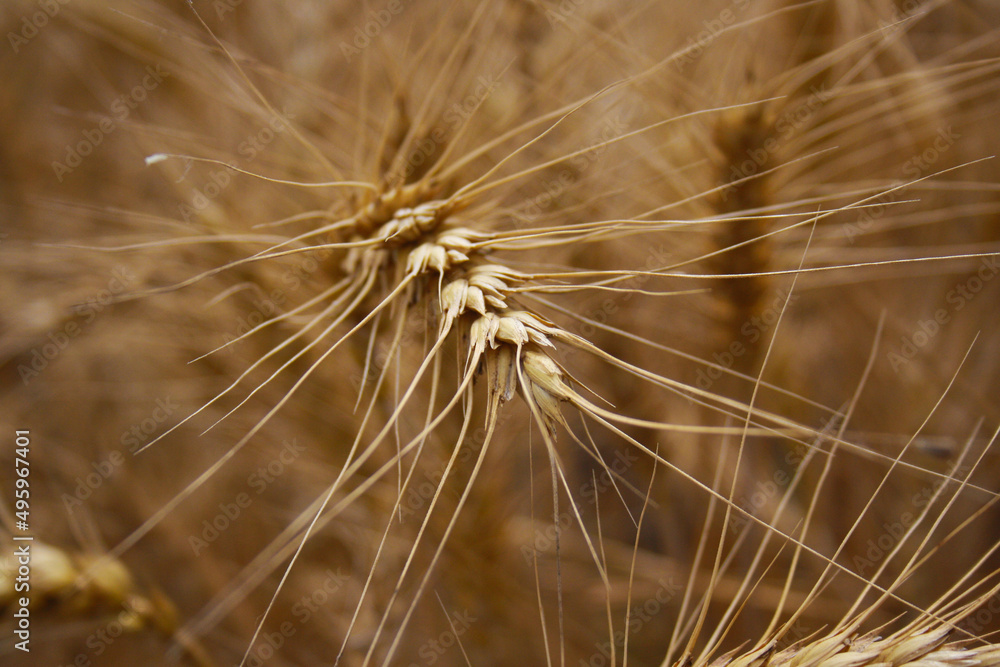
81 585
545 332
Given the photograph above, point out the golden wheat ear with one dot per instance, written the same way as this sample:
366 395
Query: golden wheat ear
485 333
59 587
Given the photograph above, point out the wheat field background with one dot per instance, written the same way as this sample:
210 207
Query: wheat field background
501 333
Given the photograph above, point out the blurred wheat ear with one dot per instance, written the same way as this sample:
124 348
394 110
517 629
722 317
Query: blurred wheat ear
585 333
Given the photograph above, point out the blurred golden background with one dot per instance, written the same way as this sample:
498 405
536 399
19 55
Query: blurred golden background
774 223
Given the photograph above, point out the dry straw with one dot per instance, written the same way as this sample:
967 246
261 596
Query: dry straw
504 332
